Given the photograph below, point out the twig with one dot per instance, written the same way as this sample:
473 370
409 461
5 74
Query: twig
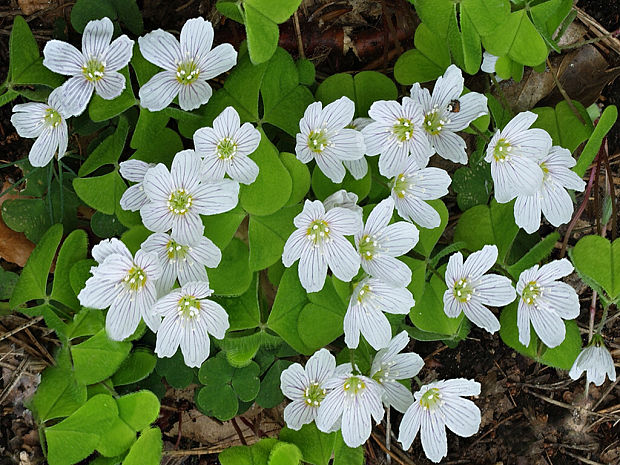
196 451
20 328
581 459
391 454
563 92
569 406
388 429
606 393
17 374
497 425
239 433
300 42
42 349
612 191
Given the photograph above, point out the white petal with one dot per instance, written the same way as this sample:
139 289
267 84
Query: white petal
519 124
294 247
450 146
478 263
488 62
433 436
462 416
347 144
562 298
168 337
555 269
206 253
248 139
557 205
399 238
298 413
110 85
96 37
191 272
134 170
44 148
410 425
145 301
226 123
313 210
312 119
523 322
472 106
454 270
77 92
134 198
195 345
159 91
393 157
191 96
187 228
533 143
28 119
375 136
527 210
320 367
480 315
216 197
517 176
293 381
448 87
161 48
461 387
63 58
156 217
215 318
330 410
389 269
339 113
243 169
407 365
374 326
342 258
431 183
218 61
330 166
196 38
379 217
357 168
495 290
549 327
414 209
356 425
312 270
97 293
158 183
123 317
118 54
343 221
397 395
213 168
451 307
185 170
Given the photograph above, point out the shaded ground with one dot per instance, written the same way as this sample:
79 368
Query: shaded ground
531 414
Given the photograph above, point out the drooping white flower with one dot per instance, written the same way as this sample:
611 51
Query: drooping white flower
189 319
596 361
437 405
446 112
412 186
343 199
358 168
225 147
370 299
134 198
379 243
324 136
395 133
470 289
545 302
353 401
95 68
185 262
306 388
319 242
389 365
513 154
45 122
125 284
551 198
178 197
488 62
188 64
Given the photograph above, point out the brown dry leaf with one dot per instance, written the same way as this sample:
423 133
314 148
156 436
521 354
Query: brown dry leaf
523 95
29 7
14 246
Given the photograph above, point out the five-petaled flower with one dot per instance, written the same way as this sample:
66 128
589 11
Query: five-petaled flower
389 366
596 361
306 388
178 197
225 147
94 68
470 289
319 242
125 284
324 136
189 319
437 405
545 302
46 122
187 65
446 112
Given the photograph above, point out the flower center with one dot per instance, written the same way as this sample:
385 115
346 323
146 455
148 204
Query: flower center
431 399
364 293
401 185
317 140
188 307
93 69
318 232
433 123
314 394
385 374
176 251
502 149
354 386
52 118
463 290
403 129
135 279
531 292
226 148
368 247
179 202
545 170
187 72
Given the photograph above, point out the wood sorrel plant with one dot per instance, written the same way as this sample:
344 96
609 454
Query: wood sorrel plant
214 183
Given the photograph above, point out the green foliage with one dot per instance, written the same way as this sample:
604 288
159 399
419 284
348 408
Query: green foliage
604 125
124 11
424 63
232 276
597 261
98 358
177 374
563 125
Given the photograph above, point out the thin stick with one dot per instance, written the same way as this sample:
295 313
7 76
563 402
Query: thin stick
388 438
389 452
300 42
239 433
612 192
581 459
42 349
20 328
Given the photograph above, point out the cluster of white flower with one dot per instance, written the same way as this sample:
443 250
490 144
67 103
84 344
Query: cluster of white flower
341 398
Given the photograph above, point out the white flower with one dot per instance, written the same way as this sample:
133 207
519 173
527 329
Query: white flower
412 186
470 289
545 302
447 112
351 400
395 133
596 361
371 297
513 154
551 197
94 68
177 198
343 199
306 388
47 124
183 261
488 62
189 319
437 405
187 65
134 198
125 284
389 365
379 243
225 148
323 135
358 168
319 242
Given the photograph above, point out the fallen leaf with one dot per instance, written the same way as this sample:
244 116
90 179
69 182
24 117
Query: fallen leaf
29 7
14 246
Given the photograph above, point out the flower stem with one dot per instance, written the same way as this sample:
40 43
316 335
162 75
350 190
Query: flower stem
388 434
